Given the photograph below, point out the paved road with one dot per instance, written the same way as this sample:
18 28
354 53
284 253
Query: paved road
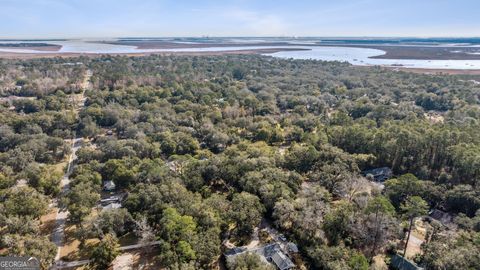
58 233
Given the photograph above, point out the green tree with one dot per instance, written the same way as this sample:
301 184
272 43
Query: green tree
380 212
25 201
105 252
248 261
45 179
358 262
80 200
177 232
397 190
301 158
35 246
114 221
337 222
246 212
119 172
452 251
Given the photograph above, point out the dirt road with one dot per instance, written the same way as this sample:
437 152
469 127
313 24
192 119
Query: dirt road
62 213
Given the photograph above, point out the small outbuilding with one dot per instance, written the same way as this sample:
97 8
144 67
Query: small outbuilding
378 174
111 206
111 199
292 248
441 216
109 185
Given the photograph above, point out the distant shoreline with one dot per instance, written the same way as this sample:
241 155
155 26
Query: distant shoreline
177 45
244 52
31 46
394 52
405 52
16 55
391 52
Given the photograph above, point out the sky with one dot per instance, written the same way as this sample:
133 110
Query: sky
173 18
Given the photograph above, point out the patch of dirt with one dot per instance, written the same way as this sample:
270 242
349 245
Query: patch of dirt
414 244
379 263
434 118
417 237
47 221
123 262
146 261
71 251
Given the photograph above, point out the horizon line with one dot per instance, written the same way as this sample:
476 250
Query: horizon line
214 36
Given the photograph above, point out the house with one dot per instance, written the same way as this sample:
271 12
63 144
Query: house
379 174
292 248
111 206
109 185
400 263
235 251
441 216
112 199
271 253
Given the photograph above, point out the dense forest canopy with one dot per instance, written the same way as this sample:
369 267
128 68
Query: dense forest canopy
207 146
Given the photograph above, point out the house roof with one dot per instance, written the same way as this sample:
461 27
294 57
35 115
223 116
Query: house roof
235 251
378 171
270 253
441 216
292 247
282 261
112 206
108 185
111 199
400 263
379 174
268 250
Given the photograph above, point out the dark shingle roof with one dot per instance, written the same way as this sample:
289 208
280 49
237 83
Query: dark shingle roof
379 174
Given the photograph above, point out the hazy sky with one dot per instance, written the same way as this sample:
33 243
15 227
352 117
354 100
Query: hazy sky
114 18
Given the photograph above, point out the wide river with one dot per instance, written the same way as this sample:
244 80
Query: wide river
355 56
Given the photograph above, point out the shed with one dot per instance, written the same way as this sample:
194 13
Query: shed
109 185
379 174
441 216
112 199
292 248
111 206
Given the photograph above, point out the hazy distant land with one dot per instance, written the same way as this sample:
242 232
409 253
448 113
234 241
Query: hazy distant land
31 46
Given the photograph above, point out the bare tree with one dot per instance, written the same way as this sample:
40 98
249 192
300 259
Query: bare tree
146 234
